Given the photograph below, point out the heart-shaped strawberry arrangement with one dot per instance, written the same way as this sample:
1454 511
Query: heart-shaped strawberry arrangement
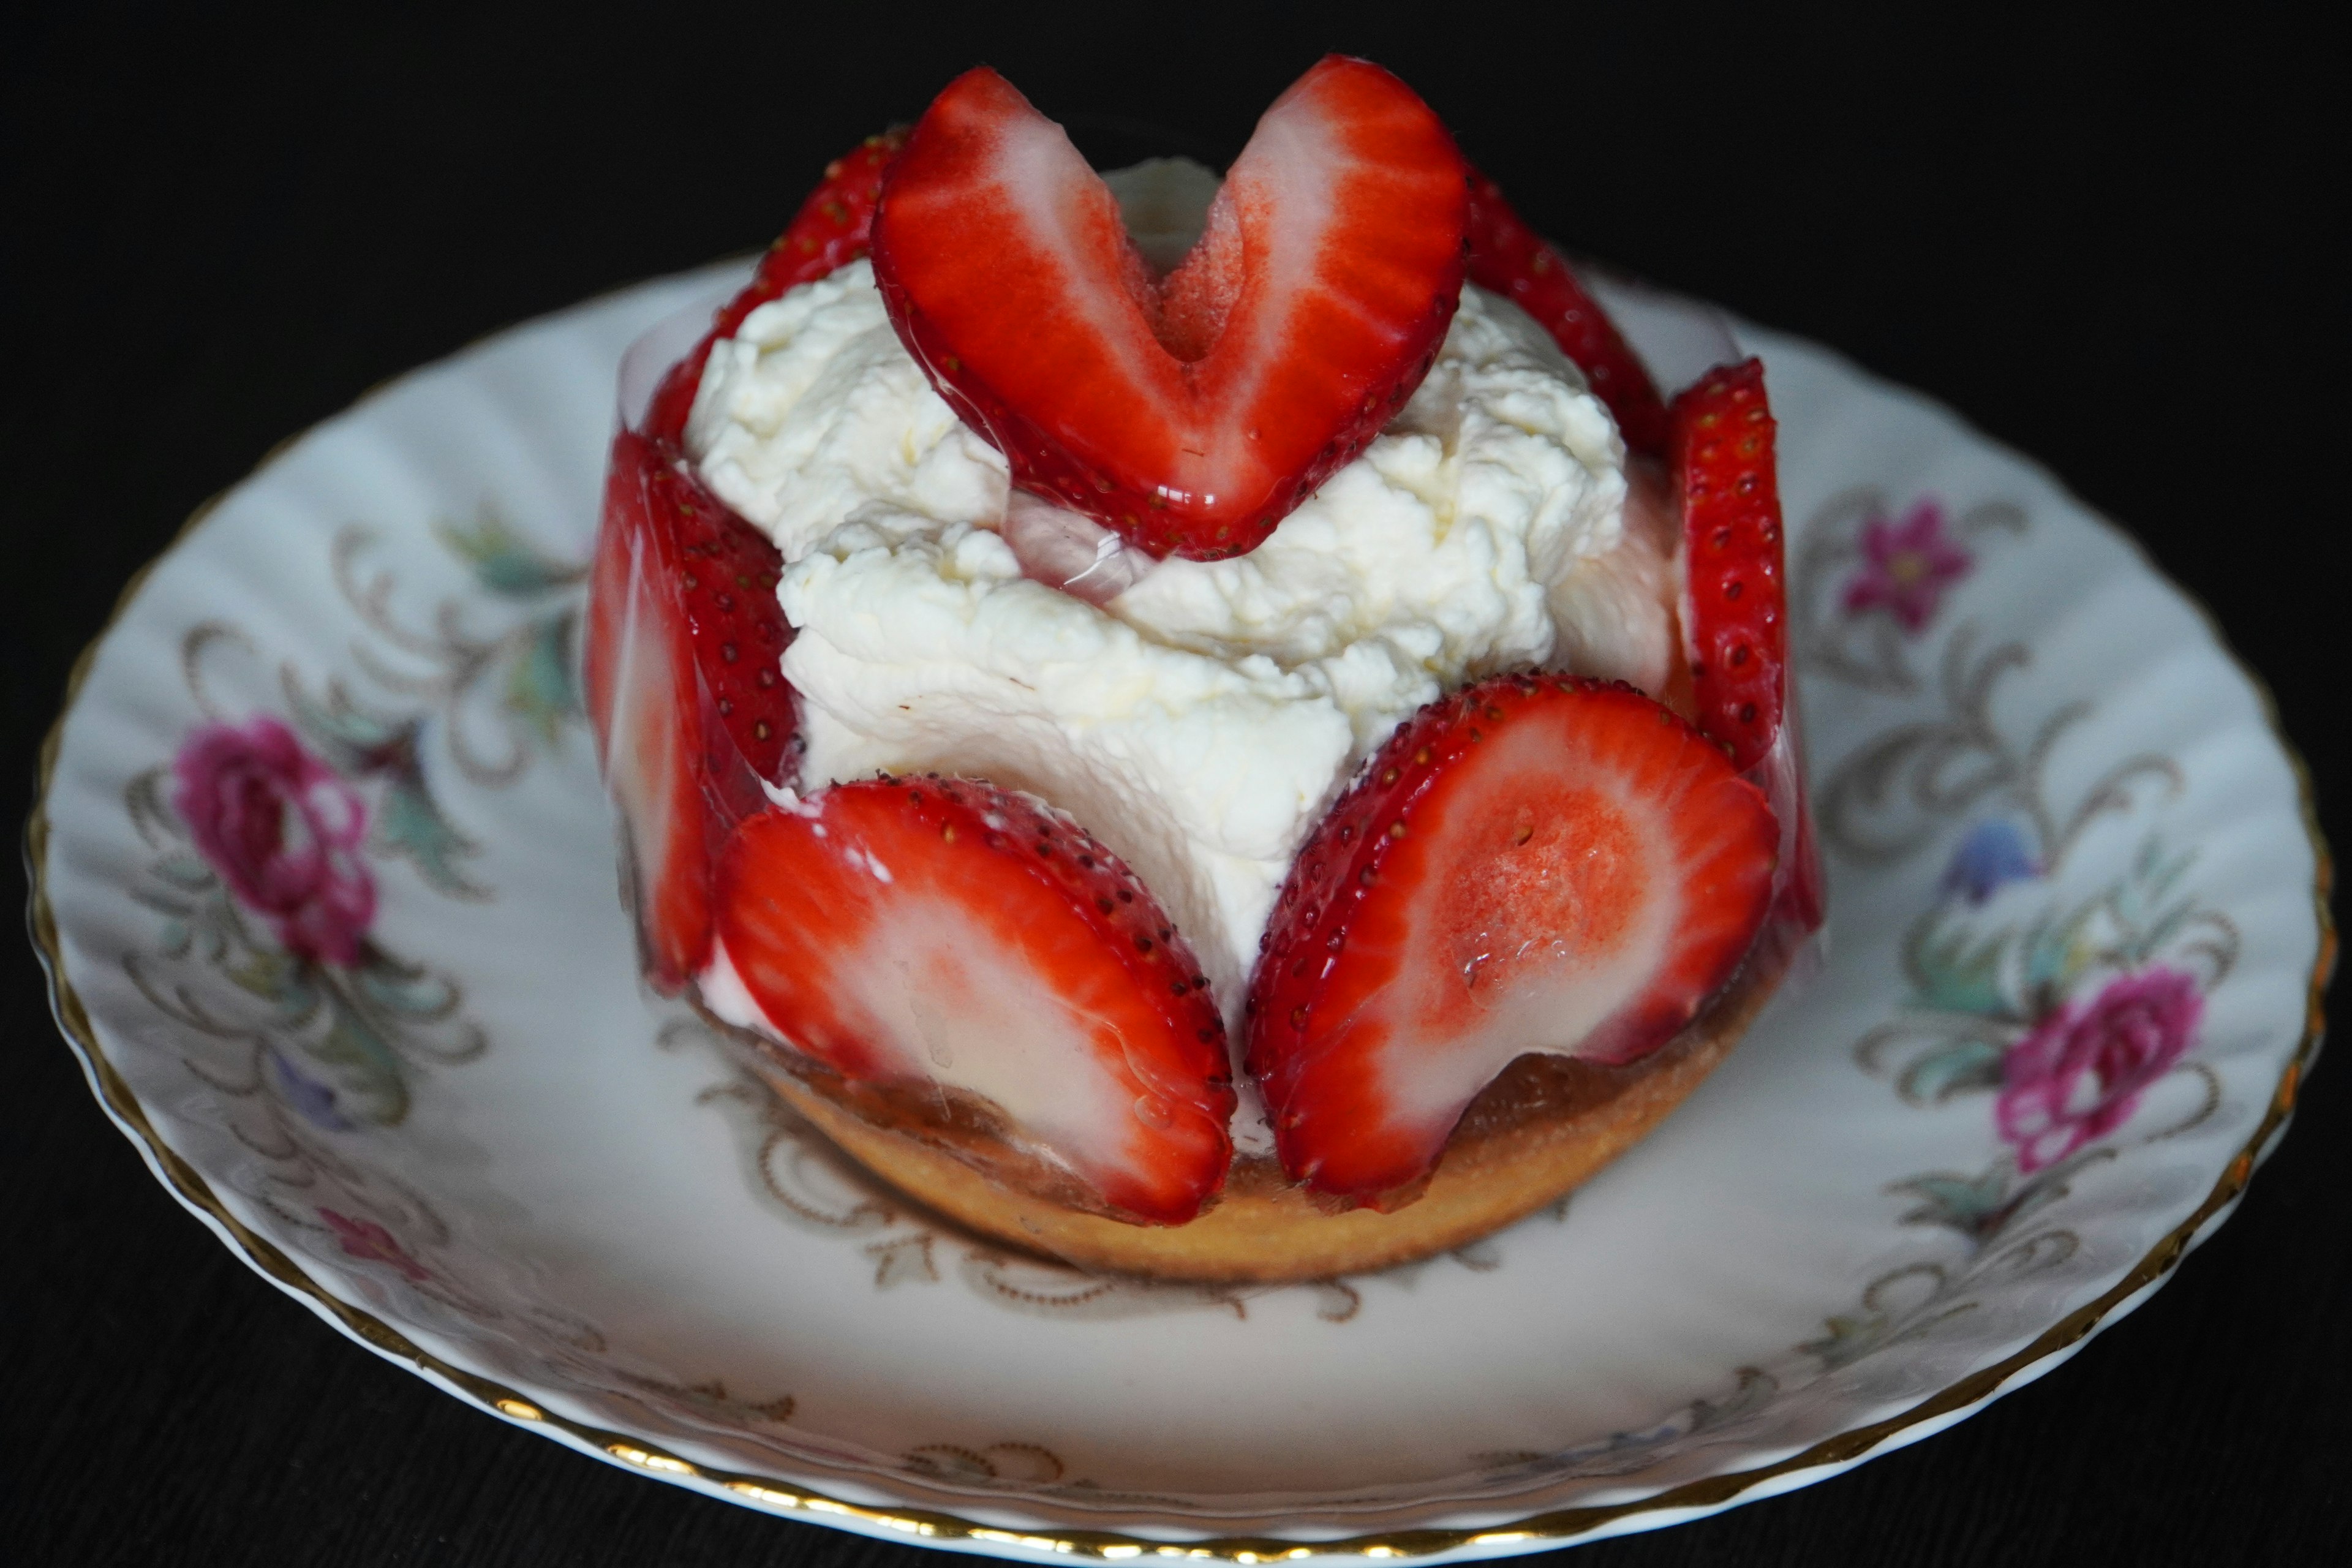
1537 862
1191 412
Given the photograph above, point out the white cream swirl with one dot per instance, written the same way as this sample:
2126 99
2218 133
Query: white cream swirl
1200 721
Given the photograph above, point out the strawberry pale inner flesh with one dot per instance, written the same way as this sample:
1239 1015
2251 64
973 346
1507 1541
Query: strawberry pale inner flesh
1555 902
1553 882
908 959
949 1003
1333 248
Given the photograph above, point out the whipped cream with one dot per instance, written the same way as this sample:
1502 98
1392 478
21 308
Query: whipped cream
1200 721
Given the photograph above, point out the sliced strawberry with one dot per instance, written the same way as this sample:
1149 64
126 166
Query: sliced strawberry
723 575
1538 863
1735 630
828 232
1190 412
643 701
1508 258
830 229
689 708
947 932
684 630
727 586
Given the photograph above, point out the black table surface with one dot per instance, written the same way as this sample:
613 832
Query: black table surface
2106 246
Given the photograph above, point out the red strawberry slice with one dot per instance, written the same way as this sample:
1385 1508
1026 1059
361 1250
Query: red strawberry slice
828 232
643 699
922 930
1508 258
722 574
727 587
691 710
1538 863
1734 620
1190 412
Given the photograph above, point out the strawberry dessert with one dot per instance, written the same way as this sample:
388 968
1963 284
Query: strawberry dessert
1217 727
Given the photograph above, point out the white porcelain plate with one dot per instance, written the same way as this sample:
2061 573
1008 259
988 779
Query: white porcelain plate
326 882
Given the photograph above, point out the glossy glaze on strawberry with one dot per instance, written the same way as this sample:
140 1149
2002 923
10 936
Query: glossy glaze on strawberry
638 677
1509 258
1734 609
828 232
690 713
945 930
684 632
1537 863
1187 413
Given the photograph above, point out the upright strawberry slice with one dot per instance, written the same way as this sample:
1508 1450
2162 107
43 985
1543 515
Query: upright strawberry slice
691 711
1188 413
1735 615
1538 863
1508 258
727 574
828 232
925 931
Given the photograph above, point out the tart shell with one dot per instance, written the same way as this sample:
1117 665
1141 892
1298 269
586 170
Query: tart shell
1543 1127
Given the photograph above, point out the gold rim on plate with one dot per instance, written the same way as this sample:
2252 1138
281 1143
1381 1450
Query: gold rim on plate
1710 1493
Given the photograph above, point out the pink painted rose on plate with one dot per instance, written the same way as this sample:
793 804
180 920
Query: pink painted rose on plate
284 833
1907 566
372 1243
2080 1073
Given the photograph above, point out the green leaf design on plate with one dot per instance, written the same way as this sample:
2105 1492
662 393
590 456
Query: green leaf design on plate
540 689
353 740
185 871
1957 972
269 974
406 990
503 562
1973 1205
1962 1065
2056 951
365 1064
2154 874
409 823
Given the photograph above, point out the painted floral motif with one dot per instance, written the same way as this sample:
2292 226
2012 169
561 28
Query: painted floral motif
1907 786
1994 854
2080 1073
283 831
1906 566
274 841
265 829
307 1011
2066 1011
1908 1302
270 840
503 693
366 1241
1869 578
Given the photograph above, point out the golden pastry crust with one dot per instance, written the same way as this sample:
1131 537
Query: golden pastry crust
1540 1129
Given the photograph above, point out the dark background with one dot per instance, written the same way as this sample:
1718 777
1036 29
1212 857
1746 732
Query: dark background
2105 247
